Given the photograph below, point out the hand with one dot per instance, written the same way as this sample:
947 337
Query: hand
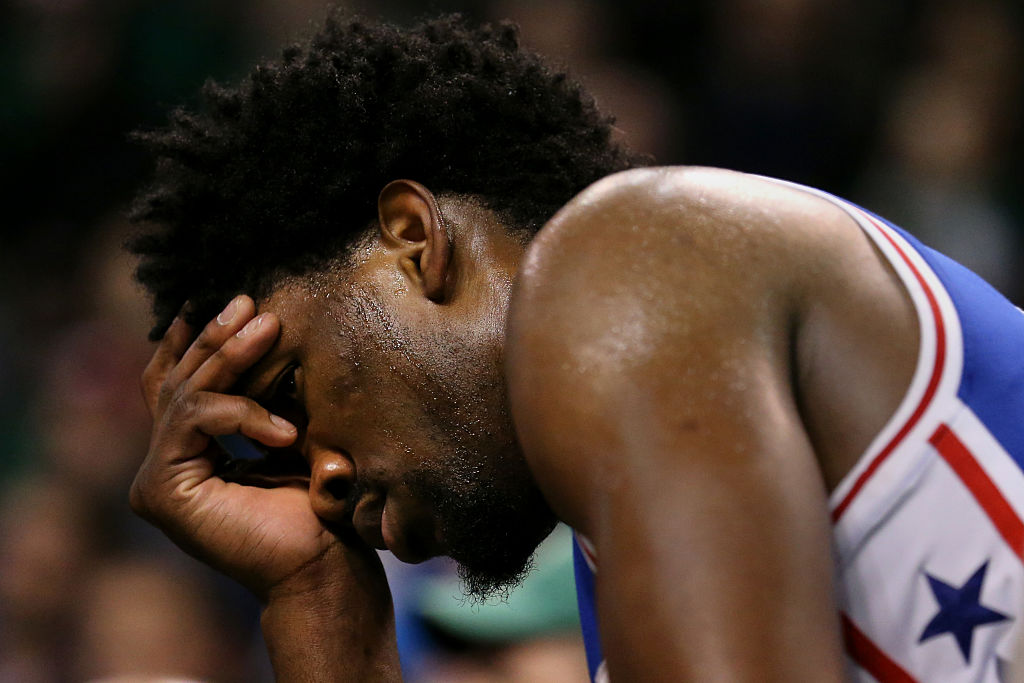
266 537
328 612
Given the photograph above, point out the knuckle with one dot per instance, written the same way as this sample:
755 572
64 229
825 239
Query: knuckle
229 362
138 499
144 387
184 405
149 373
206 343
234 409
165 394
151 387
226 357
151 377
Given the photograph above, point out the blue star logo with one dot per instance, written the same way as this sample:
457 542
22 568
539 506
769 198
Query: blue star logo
960 611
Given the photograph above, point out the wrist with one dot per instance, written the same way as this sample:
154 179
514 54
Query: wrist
339 626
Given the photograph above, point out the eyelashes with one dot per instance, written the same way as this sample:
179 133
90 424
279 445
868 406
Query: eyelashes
287 386
285 399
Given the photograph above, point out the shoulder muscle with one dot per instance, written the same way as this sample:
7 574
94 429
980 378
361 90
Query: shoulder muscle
646 279
649 372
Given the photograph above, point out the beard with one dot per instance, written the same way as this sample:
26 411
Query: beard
491 525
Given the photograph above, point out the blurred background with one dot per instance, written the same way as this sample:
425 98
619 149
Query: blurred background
911 107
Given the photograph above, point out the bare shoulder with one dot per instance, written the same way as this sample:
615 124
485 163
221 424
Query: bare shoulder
650 373
659 248
676 226
654 287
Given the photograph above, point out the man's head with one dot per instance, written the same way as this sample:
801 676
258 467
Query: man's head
391 293
280 174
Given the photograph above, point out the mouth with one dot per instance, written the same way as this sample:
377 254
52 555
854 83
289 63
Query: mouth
381 523
388 531
367 520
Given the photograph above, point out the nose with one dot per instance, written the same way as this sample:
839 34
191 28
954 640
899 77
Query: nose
332 486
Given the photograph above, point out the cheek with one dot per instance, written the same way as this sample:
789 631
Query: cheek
394 414
388 447
397 419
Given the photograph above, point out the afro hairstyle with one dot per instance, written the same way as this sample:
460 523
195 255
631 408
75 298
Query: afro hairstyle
279 176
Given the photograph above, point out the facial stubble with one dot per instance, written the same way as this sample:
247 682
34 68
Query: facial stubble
490 512
490 524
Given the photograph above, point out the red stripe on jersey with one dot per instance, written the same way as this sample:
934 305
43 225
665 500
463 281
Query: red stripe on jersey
991 500
588 550
870 657
933 382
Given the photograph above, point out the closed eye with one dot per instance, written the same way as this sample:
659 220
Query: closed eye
285 398
286 387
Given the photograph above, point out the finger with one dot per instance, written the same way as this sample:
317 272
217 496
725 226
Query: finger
168 353
229 321
222 369
244 416
181 457
194 417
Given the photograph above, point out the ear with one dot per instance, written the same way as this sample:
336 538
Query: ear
411 223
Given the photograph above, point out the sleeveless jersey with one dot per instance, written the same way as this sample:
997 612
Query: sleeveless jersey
927 526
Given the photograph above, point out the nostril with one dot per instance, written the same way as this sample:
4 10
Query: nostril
338 488
332 485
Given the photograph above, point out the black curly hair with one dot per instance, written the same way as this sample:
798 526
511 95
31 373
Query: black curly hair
279 176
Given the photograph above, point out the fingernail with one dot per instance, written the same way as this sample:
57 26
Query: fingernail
282 424
228 314
250 326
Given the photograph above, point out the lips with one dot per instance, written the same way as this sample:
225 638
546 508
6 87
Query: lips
397 524
366 520
396 537
387 530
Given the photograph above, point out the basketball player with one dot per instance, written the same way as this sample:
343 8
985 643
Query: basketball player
788 435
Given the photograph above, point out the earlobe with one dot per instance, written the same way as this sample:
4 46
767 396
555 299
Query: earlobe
412 224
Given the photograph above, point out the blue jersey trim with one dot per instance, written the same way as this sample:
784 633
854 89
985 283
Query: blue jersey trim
993 340
585 598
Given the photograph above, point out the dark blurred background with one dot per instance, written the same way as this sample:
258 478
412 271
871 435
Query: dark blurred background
910 107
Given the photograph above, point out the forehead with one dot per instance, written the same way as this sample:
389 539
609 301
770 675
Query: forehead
308 306
346 290
329 311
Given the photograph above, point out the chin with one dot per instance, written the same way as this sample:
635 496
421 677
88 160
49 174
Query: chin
491 517
494 561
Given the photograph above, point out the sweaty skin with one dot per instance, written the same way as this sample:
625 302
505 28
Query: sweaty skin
695 358
681 365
